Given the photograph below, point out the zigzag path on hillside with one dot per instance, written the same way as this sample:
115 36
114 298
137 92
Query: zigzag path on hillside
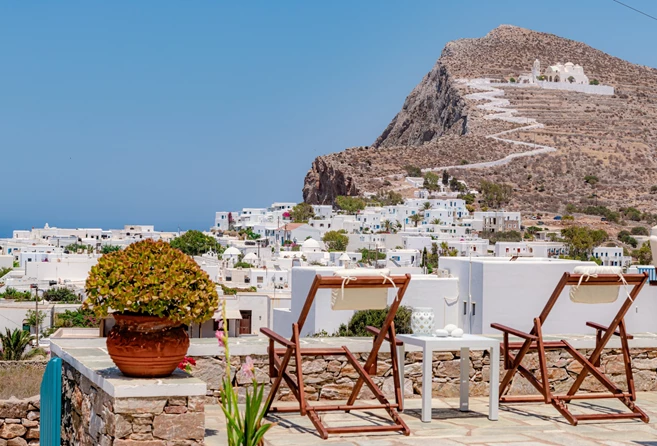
500 112
498 107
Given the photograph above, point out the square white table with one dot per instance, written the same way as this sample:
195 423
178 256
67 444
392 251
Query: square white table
466 343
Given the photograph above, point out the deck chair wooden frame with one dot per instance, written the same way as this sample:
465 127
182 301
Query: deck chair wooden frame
533 341
278 364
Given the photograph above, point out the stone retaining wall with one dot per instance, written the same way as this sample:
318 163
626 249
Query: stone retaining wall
90 416
332 377
19 421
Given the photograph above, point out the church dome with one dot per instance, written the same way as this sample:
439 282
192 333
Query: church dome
310 244
232 251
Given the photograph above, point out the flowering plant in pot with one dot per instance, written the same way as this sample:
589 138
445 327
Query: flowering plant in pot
153 291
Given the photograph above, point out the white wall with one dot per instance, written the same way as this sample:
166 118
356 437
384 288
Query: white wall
74 270
514 293
6 261
424 290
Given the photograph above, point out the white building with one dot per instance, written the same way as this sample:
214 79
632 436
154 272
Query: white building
513 293
496 221
568 73
423 291
403 258
611 256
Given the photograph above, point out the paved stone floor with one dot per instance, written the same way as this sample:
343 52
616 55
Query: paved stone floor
518 424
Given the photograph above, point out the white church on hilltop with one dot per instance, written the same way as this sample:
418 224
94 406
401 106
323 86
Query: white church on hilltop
568 73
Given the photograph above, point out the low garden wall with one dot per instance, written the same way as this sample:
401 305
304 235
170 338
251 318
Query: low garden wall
19 421
102 407
329 378
19 402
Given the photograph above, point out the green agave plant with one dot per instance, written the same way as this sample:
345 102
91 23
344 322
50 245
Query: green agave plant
244 429
151 278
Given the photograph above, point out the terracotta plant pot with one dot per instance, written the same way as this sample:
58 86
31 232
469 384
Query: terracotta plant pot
146 346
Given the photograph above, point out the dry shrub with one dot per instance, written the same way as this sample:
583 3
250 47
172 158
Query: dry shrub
21 379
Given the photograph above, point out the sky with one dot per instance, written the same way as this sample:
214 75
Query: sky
164 112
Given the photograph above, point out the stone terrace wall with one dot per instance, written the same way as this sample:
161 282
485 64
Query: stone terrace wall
19 421
92 417
331 378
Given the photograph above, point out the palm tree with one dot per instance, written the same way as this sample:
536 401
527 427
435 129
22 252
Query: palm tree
426 206
444 248
416 218
436 221
14 344
387 225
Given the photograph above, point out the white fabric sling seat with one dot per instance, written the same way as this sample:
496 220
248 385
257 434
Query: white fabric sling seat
360 298
595 294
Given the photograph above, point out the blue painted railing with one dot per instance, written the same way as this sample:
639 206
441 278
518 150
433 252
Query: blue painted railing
652 272
51 404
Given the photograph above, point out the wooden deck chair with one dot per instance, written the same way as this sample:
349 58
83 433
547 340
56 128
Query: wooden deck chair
347 289
583 284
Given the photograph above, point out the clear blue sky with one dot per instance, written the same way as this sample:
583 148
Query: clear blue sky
163 112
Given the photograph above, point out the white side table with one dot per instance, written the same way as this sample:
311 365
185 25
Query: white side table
466 343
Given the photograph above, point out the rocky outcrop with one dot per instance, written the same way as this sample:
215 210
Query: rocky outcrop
433 108
324 182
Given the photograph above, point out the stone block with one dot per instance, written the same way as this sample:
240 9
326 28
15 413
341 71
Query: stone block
336 391
446 390
388 387
186 426
9 431
440 356
96 426
33 415
34 401
142 437
247 378
139 405
645 364
175 409
12 421
32 434
129 442
334 366
18 441
118 426
29 423
645 380
141 428
177 401
13 408
212 371
314 366
449 369
196 404
349 371
413 369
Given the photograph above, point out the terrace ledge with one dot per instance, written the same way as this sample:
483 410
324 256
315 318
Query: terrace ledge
90 358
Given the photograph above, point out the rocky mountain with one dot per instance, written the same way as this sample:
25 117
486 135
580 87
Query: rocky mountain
541 141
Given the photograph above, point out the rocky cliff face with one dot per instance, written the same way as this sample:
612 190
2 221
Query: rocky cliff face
433 108
324 182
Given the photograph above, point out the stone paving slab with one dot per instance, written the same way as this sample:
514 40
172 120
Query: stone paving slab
518 425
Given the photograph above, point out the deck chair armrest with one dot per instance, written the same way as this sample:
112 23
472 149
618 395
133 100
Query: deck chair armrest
513 331
376 331
276 337
603 328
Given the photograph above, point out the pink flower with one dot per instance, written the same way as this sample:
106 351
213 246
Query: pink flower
248 367
220 337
